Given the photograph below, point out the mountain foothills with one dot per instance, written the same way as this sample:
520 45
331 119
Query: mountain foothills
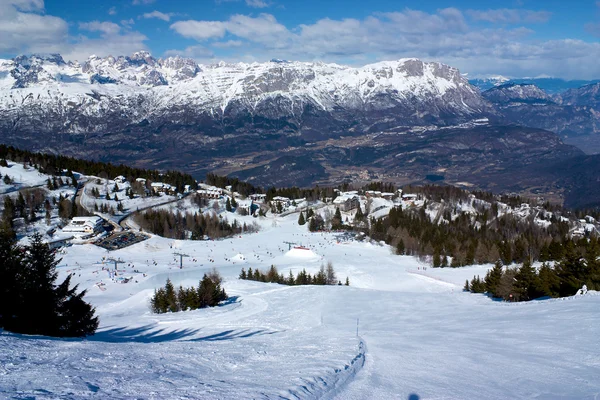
283 123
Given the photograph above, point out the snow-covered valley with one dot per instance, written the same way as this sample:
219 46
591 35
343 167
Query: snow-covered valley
397 330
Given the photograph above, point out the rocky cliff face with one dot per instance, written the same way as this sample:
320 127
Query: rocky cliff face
585 96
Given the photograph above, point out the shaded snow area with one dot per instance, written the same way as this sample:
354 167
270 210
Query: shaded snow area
418 333
21 177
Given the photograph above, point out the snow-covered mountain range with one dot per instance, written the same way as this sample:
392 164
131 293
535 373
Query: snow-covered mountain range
289 123
102 94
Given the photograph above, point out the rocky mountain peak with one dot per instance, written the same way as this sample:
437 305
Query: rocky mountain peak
516 93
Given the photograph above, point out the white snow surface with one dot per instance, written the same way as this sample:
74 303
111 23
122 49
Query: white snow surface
21 177
418 333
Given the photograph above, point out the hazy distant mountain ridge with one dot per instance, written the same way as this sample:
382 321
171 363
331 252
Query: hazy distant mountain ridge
517 93
552 86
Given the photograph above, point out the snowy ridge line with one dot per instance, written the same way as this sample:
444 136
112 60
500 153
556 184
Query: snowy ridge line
330 386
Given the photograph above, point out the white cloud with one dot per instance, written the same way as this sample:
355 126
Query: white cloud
444 35
21 5
200 30
263 28
142 2
107 28
257 3
227 44
25 29
112 11
111 44
510 16
158 15
127 23
22 30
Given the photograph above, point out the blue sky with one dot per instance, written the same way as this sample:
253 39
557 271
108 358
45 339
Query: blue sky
515 38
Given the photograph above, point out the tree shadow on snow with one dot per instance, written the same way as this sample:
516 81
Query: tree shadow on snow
231 300
149 334
142 334
233 334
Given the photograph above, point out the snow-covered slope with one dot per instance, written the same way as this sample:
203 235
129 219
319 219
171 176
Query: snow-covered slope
130 90
418 333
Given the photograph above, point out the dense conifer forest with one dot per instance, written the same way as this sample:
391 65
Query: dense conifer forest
186 225
455 238
578 268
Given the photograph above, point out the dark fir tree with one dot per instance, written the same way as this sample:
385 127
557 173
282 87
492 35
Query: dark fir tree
301 220
38 306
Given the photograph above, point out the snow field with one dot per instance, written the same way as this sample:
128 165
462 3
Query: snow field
419 333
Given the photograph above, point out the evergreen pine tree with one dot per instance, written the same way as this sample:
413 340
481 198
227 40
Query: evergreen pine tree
549 282
336 222
272 275
359 216
39 306
171 296
331 278
321 277
400 247
526 283
492 279
301 220
10 267
228 205
436 259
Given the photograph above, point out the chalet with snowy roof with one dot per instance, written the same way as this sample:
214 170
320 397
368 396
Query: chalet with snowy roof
60 242
347 201
210 193
258 197
160 187
84 225
120 179
372 193
284 201
387 195
245 206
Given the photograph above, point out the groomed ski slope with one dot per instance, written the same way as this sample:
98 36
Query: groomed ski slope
418 333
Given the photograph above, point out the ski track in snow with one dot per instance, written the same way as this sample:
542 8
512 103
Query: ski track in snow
418 333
